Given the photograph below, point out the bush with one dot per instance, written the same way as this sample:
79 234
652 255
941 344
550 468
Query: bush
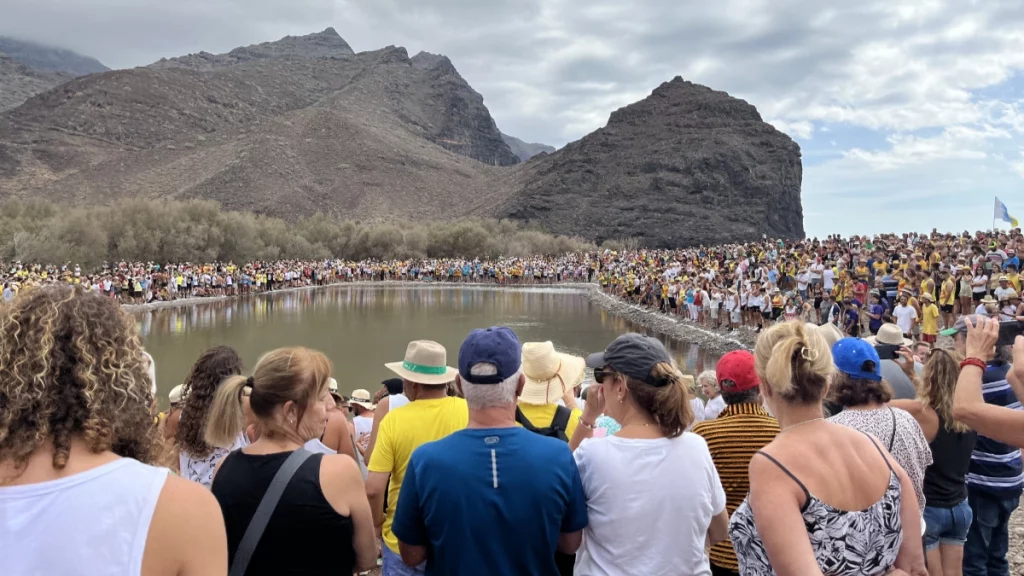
200 231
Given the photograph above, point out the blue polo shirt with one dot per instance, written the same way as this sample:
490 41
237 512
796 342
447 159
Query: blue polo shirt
996 468
490 501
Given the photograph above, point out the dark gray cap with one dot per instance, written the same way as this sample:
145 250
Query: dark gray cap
960 325
634 355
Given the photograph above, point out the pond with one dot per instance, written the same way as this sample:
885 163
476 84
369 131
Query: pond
362 327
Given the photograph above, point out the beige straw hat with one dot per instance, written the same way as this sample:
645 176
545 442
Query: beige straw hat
426 362
549 374
362 398
889 334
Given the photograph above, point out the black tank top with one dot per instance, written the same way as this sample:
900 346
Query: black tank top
945 481
305 534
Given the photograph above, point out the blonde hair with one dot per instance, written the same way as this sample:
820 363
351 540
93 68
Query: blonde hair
297 374
794 362
669 405
938 382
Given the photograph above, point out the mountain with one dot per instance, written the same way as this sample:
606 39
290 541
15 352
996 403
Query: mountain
687 165
302 125
49 58
19 82
525 150
326 44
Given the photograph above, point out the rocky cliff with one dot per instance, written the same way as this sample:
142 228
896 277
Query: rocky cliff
526 150
687 165
326 44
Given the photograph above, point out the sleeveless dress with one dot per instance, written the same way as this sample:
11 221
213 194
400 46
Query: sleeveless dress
863 543
302 521
201 469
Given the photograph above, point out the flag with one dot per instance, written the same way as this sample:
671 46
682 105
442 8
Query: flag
1001 213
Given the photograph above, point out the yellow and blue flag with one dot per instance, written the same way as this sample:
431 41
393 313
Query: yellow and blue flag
1001 213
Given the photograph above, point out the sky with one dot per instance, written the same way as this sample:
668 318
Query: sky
910 113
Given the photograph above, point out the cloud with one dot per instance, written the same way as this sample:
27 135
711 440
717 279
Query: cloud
907 90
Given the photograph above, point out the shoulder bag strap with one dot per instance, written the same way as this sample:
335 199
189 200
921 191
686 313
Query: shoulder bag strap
892 439
524 421
561 419
259 521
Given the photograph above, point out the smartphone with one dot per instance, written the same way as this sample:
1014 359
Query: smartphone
887 351
1008 332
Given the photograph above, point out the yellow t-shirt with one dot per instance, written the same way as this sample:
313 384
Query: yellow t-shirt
1014 281
930 319
404 430
948 294
541 416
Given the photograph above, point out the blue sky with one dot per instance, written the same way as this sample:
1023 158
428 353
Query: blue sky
909 112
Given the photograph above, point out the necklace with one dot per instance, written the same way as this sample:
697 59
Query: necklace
791 426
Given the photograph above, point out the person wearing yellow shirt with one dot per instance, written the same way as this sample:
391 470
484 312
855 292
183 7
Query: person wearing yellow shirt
1013 277
550 377
947 299
929 319
430 415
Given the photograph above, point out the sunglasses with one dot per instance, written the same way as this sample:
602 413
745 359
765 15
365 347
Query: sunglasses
603 372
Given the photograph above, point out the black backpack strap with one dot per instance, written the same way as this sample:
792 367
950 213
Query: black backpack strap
560 423
524 422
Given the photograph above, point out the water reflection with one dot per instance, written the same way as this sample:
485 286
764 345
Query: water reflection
361 328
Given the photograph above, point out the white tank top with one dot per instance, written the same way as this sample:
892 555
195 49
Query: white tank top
397 401
95 522
317 447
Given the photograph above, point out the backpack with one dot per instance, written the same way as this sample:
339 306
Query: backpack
558 424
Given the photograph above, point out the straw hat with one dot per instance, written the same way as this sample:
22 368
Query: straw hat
362 398
829 332
549 374
426 362
889 334
176 395
989 299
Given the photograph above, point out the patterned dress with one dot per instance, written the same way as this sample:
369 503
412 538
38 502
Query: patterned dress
863 543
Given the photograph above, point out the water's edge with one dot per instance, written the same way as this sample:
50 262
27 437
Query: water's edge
672 327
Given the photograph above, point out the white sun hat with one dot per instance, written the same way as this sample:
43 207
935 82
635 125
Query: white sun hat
426 362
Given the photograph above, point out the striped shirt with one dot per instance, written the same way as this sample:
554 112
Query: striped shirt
996 468
733 438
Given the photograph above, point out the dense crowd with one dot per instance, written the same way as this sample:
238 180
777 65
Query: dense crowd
818 452
140 283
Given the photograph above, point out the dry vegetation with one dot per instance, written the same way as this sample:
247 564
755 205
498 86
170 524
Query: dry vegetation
201 231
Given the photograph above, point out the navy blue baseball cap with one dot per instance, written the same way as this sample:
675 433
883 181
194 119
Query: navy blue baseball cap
850 354
496 345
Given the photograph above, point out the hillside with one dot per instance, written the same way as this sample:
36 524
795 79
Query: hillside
687 165
49 58
526 150
19 82
304 125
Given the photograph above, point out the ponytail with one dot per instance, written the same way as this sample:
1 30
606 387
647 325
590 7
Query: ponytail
796 363
668 404
227 416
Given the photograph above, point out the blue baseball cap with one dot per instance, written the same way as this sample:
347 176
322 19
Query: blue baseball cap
850 354
496 345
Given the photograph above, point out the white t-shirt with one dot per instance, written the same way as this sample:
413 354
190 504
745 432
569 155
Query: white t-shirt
697 405
363 424
662 536
829 281
816 271
713 408
905 316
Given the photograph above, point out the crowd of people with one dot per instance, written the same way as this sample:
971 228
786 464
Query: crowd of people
140 283
818 452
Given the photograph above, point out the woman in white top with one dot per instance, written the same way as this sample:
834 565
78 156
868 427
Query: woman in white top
630 532
709 386
76 436
197 459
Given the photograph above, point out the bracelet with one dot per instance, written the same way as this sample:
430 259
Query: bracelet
585 425
976 362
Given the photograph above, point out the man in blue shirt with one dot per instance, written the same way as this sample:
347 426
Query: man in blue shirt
494 498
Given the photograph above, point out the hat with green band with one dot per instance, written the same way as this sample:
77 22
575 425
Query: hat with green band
426 362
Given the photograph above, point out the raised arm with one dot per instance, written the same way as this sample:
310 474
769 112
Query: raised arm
996 422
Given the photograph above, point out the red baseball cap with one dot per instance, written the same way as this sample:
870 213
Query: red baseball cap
736 373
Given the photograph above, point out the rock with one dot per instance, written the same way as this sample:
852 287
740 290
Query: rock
687 165
19 82
526 150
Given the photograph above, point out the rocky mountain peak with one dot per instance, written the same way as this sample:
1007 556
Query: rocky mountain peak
428 61
49 58
685 103
320 45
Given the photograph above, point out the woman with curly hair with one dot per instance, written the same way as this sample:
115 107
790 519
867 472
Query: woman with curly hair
76 440
197 458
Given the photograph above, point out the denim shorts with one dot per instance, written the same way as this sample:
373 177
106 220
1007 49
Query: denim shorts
947 525
392 565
